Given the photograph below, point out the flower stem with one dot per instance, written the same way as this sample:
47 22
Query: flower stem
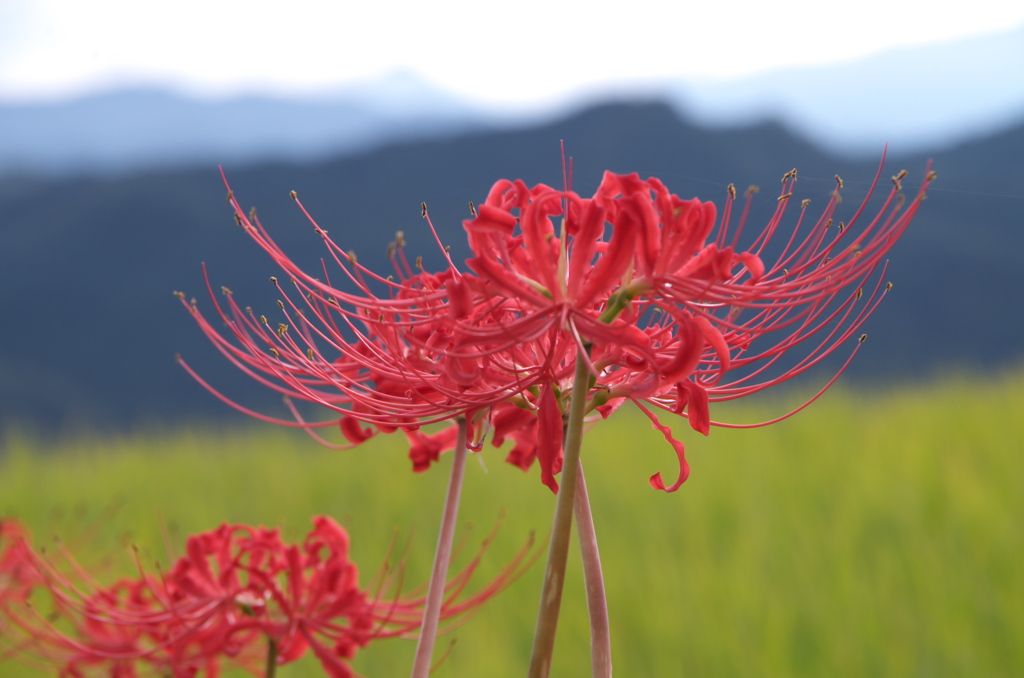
439 576
271 659
597 602
561 531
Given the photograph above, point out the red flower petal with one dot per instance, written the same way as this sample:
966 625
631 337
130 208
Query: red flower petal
684 467
550 431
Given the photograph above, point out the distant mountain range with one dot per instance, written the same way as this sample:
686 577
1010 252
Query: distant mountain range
919 100
88 264
123 131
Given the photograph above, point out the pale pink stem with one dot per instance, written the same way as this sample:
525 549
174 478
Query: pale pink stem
597 602
561 531
435 593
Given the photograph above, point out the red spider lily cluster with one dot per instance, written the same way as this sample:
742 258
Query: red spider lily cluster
240 593
649 289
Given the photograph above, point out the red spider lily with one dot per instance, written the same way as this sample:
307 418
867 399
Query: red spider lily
664 308
371 359
668 311
388 357
236 592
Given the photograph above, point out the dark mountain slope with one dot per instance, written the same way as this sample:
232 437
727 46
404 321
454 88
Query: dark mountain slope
90 264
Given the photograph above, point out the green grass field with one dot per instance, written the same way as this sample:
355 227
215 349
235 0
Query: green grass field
875 534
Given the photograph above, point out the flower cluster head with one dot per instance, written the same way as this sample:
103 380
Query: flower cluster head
651 291
240 593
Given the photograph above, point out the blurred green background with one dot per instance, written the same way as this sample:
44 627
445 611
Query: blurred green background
877 533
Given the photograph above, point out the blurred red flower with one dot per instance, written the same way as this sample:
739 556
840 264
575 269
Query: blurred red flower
239 594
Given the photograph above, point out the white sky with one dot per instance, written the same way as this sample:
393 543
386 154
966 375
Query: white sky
496 52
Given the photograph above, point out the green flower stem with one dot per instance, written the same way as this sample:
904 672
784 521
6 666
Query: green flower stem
597 602
561 531
435 594
271 659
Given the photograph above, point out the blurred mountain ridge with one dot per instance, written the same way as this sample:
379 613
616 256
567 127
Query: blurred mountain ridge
122 131
919 99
